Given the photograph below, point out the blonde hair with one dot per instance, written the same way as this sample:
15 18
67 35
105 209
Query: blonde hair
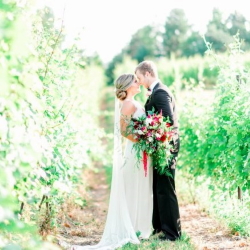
122 83
147 66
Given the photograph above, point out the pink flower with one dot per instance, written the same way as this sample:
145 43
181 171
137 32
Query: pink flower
170 135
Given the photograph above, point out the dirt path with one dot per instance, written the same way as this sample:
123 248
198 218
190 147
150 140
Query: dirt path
207 233
85 226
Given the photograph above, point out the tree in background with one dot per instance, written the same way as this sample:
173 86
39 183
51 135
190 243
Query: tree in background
193 45
176 32
145 43
180 40
109 72
235 23
217 33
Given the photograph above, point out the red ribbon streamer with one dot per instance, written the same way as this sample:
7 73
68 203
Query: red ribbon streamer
145 161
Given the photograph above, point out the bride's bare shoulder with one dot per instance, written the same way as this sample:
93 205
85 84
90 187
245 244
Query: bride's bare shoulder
128 107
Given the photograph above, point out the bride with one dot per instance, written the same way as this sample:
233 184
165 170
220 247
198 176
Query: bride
129 217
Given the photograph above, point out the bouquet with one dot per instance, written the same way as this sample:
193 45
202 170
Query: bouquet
154 134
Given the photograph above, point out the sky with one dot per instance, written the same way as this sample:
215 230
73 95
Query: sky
107 25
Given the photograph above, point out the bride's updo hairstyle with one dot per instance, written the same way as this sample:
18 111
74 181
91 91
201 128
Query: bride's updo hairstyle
122 83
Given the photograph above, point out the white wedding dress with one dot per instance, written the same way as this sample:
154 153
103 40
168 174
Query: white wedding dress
131 198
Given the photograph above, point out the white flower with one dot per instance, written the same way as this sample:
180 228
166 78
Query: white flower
150 139
148 121
157 135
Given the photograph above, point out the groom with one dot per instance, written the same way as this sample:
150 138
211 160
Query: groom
166 217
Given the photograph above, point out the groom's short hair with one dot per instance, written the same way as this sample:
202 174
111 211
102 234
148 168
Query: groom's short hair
147 66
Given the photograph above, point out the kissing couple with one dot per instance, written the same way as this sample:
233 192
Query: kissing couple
139 205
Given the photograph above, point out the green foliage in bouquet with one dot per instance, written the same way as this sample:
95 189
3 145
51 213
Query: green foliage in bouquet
153 134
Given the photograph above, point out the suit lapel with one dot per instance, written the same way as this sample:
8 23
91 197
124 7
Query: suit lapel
149 98
156 87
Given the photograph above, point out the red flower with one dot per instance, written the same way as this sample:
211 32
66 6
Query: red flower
163 138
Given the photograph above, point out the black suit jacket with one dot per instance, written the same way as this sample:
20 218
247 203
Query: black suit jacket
163 100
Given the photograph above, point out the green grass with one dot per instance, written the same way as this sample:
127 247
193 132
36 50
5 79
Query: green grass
154 243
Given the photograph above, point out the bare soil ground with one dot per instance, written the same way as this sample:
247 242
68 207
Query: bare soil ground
85 226
207 233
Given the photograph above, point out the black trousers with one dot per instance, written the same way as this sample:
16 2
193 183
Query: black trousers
166 215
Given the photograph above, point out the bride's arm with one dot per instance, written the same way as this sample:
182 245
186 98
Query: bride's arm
127 111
